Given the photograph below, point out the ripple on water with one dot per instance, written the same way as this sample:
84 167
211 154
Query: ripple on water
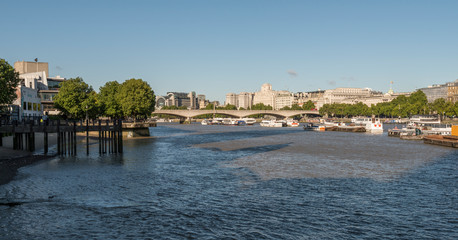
244 183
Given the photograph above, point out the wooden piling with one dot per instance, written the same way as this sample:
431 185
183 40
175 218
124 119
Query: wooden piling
74 138
59 140
45 134
100 137
120 135
87 136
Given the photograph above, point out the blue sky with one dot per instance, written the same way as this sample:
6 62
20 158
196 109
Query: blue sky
216 47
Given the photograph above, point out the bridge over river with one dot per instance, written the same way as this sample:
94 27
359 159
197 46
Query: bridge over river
237 113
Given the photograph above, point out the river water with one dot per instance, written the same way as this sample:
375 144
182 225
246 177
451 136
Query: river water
220 182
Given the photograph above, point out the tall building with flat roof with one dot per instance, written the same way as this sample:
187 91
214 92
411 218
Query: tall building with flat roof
29 67
231 98
244 100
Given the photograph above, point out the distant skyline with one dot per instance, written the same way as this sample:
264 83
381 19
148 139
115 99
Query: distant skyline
218 47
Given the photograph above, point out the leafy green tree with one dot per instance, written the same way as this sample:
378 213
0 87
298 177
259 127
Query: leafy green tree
285 108
440 106
136 98
93 104
75 98
174 108
455 109
296 107
209 106
9 80
309 105
109 104
230 107
261 106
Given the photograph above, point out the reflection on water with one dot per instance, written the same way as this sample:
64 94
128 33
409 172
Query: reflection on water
193 181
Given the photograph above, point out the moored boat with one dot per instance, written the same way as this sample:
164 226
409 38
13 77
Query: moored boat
249 121
292 123
372 125
206 122
271 123
311 127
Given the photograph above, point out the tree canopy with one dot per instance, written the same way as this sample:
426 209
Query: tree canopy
75 98
261 106
109 103
309 105
9 80
136 98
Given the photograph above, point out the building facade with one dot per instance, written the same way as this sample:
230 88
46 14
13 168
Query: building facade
179 99
452 91
37 89
283 99
30 67
266 96
231 98
244 100
435 92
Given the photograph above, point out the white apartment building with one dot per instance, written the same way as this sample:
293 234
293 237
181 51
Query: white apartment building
244 100
283 99
266 96
28 100
231 98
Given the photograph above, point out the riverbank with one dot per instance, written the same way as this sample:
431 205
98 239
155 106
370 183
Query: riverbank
12 160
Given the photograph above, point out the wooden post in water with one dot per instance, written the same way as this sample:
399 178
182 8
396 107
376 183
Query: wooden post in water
120 136
87 136
45 134
26 136
64 142
70 142
110 140
32 137
1 135
59 140
100 136
74 138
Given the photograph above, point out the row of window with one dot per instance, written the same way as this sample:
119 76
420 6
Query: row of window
31 106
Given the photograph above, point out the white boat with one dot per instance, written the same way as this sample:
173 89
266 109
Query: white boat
292 123
271 123
206 122
425 119
429 125
311 127
227 121
249 121
328 123
372 125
